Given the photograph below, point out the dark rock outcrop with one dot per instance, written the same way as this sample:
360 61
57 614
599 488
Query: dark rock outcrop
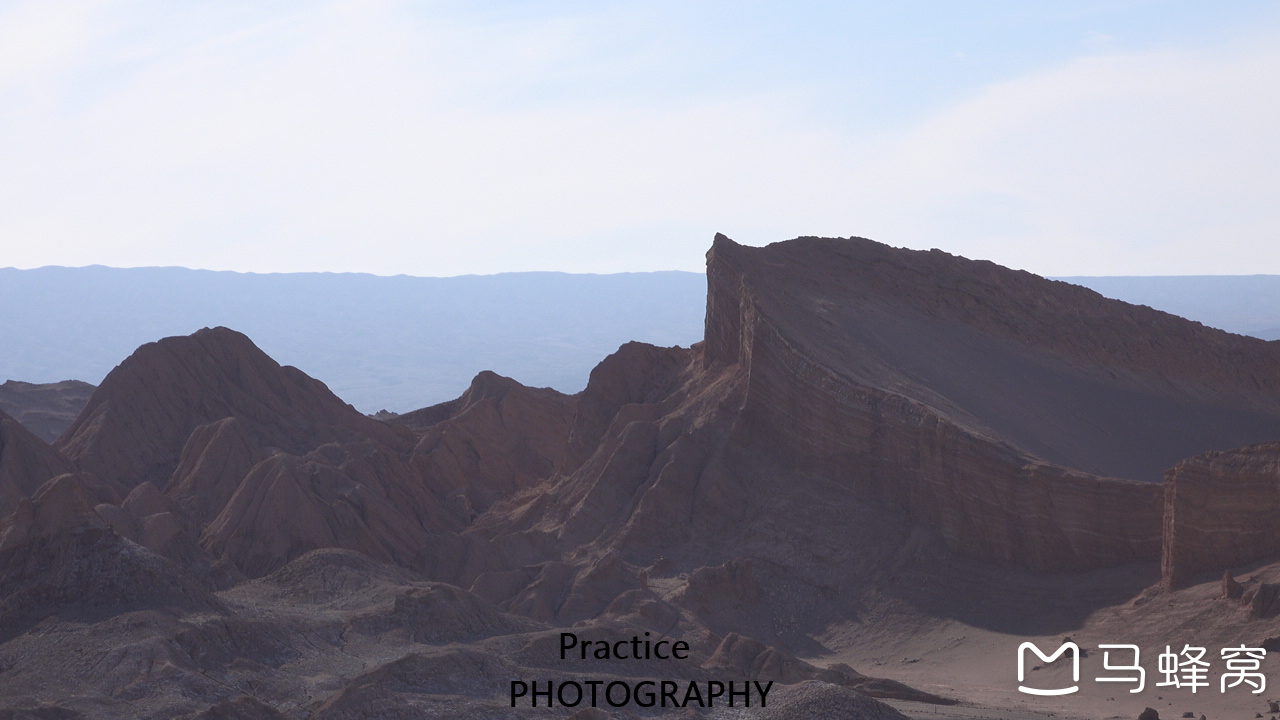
58 556
1265 601
1231 590
138 421
26 462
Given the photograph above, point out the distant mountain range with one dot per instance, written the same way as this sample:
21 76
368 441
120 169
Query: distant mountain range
397 343
1242 304
400 343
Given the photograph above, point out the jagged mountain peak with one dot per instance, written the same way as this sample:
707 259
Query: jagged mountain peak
136 423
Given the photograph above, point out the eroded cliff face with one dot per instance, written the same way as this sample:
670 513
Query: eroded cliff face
981 495
1011 417
1009 414
231 465
1053 369
861 425
1222 510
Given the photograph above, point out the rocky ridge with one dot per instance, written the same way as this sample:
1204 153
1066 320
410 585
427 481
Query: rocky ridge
855 413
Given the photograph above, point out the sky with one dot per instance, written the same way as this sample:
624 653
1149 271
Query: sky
1133 137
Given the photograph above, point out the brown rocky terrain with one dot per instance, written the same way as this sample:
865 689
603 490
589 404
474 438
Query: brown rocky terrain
26 462
46 409
1220 511
871 445
137 422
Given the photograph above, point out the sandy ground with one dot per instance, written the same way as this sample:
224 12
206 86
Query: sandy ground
974 659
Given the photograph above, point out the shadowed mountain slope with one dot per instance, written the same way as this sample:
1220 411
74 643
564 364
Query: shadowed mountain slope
136 423
26 462
57 556
1093 384
231 465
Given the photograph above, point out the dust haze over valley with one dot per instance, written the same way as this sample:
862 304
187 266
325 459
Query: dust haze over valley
873 474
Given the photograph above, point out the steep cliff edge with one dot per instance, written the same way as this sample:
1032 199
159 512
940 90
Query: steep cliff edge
1054 369
875 397
1222 510
990 404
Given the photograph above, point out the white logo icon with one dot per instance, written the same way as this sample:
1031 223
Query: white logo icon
1075 667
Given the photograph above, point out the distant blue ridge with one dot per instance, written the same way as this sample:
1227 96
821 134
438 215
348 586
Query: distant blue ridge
398 343
1242 304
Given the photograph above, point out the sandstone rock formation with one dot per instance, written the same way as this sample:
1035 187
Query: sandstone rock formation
948 387
137 422
856 414
258 463
498 438
1221 511
1017 420
1231 590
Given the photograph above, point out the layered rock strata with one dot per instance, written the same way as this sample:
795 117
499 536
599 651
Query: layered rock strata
1222 510
1017 419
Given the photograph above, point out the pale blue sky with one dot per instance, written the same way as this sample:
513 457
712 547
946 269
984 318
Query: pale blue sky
441 138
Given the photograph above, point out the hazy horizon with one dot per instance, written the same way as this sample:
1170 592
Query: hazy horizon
404 342
1066 278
